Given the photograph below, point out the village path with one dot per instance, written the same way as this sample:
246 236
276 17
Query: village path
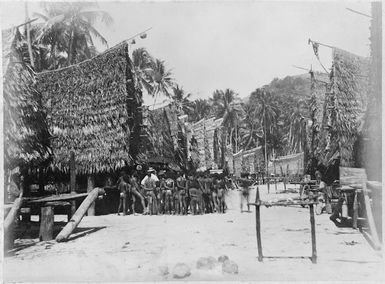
132 248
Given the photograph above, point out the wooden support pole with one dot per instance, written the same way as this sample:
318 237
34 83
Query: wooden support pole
10 220
355 210
313 237
73 180
90 187
370 218
275 184
258 225
79 214
46 223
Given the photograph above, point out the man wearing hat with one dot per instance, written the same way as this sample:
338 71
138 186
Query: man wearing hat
149 185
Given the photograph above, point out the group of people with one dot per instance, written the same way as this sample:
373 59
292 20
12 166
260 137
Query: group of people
167 193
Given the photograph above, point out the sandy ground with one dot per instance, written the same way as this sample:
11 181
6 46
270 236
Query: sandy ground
132 248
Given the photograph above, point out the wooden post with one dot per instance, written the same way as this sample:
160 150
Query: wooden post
79 214
90 187
47 222
124 204
313 237
268 184
10 220
41 180
370 218
275 184
258 225
355 210
73 180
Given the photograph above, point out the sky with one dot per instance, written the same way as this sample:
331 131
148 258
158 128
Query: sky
237 45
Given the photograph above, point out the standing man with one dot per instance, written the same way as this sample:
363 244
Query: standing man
135 192
124 188
181 185
322 188
149 185
245 193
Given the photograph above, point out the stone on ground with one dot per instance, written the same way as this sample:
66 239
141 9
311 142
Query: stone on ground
181 270
223 258
163 270
229 266
206 262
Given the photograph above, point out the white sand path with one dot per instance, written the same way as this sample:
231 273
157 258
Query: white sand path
131 248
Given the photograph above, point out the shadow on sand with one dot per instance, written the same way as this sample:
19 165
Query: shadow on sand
27 235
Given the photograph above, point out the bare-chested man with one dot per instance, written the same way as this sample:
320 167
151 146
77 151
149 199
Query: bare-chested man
195 195
124 189
135 194
181 184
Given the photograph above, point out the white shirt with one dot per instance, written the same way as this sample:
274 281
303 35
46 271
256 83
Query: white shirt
154 177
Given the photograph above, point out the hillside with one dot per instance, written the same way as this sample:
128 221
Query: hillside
292 87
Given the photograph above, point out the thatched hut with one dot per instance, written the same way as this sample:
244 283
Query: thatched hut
163 141
207 135
247 162
345 104
93 109
26 137
289 165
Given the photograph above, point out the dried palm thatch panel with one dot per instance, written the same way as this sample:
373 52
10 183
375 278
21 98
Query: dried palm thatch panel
247 161
25 131
290 164
90 110
319 87
162 136
198 130
345 105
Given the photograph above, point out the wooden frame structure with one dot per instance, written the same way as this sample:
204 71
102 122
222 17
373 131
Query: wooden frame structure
258 203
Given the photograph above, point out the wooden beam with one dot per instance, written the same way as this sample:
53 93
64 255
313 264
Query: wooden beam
79 214
73 181
370 218
46 223
313 237
90 187
258 225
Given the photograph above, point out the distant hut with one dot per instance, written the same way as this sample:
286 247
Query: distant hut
163 140
93 109
26 137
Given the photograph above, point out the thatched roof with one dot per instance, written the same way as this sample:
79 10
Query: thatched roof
25 131
345 105
90 111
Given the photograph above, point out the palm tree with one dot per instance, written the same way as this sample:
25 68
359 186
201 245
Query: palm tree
251 130
268 113
69 27
201 108
161 79
227 105
142 62
181 100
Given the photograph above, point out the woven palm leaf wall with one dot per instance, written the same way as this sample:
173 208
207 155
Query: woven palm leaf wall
161 139
346 104
91 110
26 135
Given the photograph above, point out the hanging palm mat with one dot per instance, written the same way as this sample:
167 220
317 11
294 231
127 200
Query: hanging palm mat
347 104
90 110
